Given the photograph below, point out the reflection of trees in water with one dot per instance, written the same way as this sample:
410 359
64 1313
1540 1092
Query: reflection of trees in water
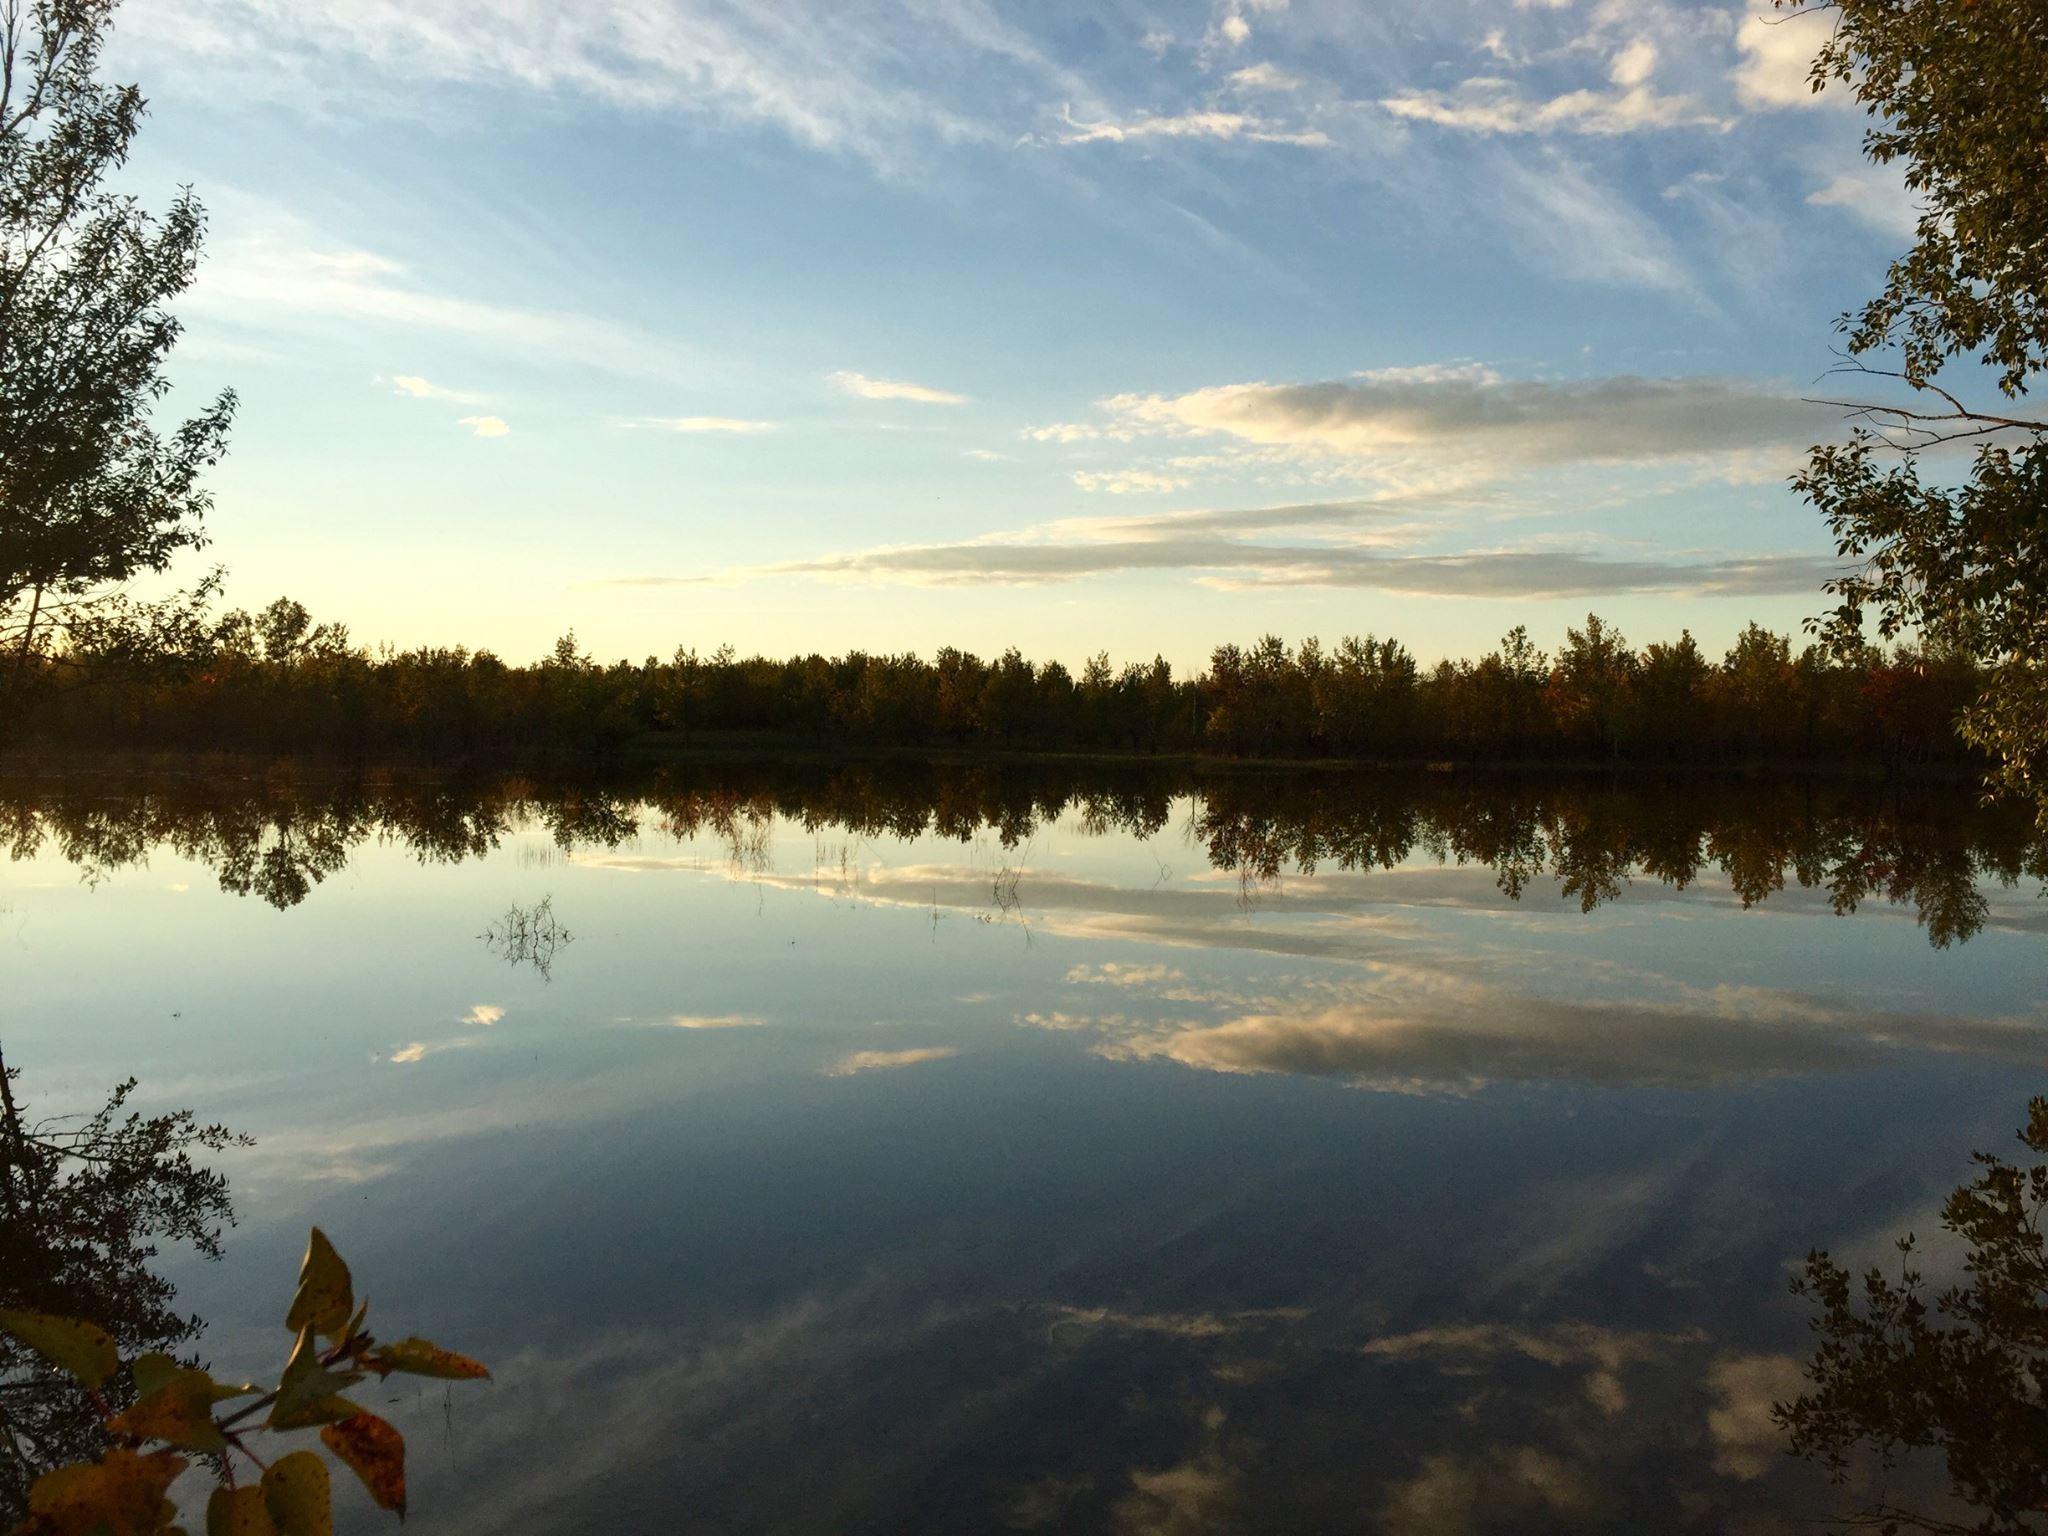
278 838
85 1203
1964 1374
528 936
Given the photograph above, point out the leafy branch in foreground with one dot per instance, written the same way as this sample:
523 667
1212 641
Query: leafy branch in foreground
176 1409
1966 1376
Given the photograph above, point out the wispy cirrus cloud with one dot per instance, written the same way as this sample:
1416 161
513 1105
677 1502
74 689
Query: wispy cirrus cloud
864 387
1204 123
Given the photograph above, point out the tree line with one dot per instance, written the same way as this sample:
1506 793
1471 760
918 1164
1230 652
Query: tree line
277 682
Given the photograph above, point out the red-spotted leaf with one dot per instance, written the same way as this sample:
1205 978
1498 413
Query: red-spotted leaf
375 1452
418 1357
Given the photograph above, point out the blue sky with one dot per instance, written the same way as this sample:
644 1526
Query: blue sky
1134 327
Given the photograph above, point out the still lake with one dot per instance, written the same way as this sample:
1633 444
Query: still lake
851 1149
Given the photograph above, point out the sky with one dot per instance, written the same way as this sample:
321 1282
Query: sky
1121 326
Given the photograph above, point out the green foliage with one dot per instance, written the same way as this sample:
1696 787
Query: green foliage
1965 1376
91 493
1957 91
176 1407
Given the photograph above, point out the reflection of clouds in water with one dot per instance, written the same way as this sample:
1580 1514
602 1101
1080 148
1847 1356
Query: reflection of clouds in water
883 1061
1494 1489
1412 1029
1746 1443
1604 1353
709 1021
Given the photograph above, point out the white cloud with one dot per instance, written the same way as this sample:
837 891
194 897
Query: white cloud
1560 218
1488 104
484 1015
1199 124
881 1061
1634 64
485 426
694 424
1777 51
892 389
1265 76
711 1021
1877 198
417 388
1126 482
987 456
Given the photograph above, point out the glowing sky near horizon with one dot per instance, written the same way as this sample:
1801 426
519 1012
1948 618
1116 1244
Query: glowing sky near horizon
1120 326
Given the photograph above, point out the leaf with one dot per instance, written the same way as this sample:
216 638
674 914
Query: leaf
122 1495
418 1357
152 1372
375 1452
306 1391
297 1491
81 1348
239 1512
181 1413
325 1296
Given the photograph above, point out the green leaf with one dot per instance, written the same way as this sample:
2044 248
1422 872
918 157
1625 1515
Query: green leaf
375 1452
239 1512
81 1348
418 1357
297 1491
326 1296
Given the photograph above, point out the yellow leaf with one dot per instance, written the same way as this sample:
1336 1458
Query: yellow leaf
306 1385
297 1491
122 1495
81 1348
326 1296
417 1357
375 1452
179 1412
238 1512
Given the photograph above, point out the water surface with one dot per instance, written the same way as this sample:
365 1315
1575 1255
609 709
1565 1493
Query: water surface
955 1150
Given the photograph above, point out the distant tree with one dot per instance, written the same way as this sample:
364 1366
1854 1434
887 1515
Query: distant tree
1958 94
91 493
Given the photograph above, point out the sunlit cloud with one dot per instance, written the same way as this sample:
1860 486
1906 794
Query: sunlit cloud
1126 482
484 1015
417 388
734 425
1777 50
485 426
1207 124
1879 200
883 1061
1488 104
866 388
711 1021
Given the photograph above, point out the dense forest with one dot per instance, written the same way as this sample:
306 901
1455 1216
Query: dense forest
277 682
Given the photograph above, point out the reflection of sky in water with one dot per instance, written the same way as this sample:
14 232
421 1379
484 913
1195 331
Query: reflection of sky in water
840 1183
